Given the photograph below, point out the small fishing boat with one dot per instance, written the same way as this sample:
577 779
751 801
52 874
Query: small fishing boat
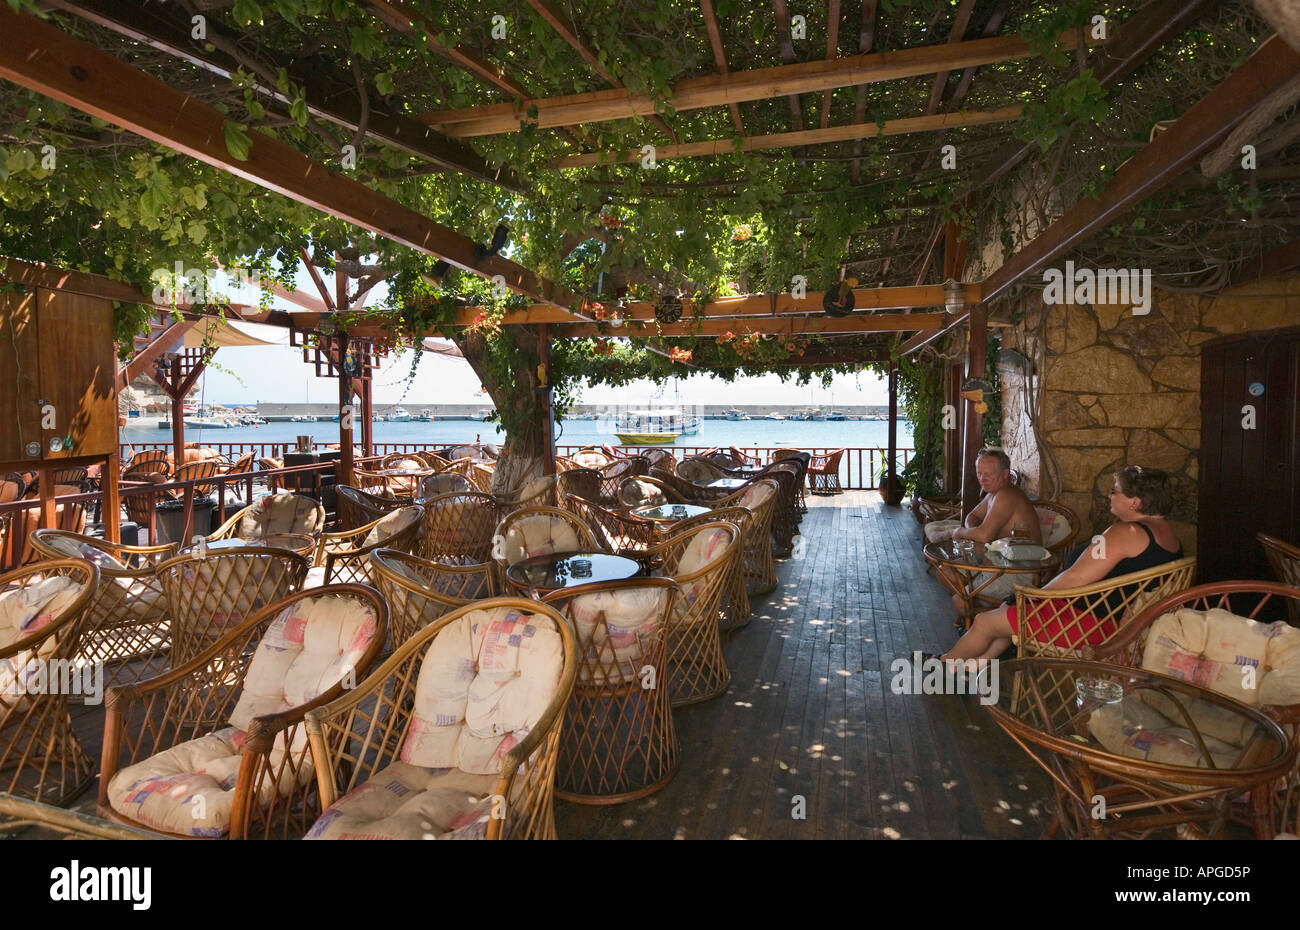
649 427
735 413
399 415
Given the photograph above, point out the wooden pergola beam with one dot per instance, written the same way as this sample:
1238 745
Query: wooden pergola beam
717 90
781 140
786 46
557 21
784 326
832 51
153 24
866 37
720 57
43 58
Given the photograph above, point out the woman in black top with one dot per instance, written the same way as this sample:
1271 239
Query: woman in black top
1141 539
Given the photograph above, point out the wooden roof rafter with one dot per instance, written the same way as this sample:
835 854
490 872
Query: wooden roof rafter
152 23
720 58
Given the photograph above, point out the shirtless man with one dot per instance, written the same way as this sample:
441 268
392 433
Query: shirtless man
1003 508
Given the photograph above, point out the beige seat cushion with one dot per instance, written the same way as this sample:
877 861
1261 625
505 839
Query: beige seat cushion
1133 728
1055 526
79 549
406 802
705 546
23 613
484 683
540 534
285 512
755 495
391 524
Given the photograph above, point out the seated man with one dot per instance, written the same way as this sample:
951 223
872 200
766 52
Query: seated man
1004 508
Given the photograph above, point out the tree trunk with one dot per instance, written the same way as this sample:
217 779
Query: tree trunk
517 394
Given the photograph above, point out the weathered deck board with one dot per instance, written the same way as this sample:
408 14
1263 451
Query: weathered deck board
812 669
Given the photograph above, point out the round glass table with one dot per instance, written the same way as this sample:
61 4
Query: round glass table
670 513
545 573
973 568
1134 754
300 543
728 484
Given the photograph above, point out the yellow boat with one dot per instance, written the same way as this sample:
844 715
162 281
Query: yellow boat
648 427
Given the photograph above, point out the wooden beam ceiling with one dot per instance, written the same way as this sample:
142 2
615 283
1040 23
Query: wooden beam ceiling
781 140
720 57
43 58
568 31
783 326
711 91
331 97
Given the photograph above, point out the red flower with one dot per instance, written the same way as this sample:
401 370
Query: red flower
679 355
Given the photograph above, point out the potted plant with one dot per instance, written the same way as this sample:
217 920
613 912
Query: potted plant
892 487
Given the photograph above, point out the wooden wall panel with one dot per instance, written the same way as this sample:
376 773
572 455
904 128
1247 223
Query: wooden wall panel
77 372
20 421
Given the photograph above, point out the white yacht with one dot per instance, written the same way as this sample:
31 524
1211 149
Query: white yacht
399 415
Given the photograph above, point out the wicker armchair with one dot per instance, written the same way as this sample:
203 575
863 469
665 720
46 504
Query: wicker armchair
196 471
216 747
578 482
344 557
540 492
418 591
700 471
431 460
785 513
1078 621
155 460
623 533
688 491
377 485
760 498
1285 560
824 473
645 491
444 483
590 457
736 609
142 470
533 531
358 508
1161 638
458 527
388 763
618 742
273 515
41 609
1059 524
125 626
661 459
700 561
208 592
407 461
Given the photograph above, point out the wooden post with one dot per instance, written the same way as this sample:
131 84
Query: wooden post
367 418
178 416
346 412
48 510
890 482
111 509
952 438
548 421
976 351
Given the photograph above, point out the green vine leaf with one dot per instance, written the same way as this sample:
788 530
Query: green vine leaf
238 144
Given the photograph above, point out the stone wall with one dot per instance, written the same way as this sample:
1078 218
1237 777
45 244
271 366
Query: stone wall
1115 388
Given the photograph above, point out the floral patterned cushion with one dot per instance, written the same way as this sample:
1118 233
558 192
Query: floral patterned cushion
282 513
74 548
540 534
1055 526
407 802
24 612
391 524
447 483
1134 729
485 681
756 494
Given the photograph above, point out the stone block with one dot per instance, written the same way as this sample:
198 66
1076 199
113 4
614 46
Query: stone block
1100 436
1109 315
1190 438
1180 410
1080 468
1239 315
1186 533
1149 337
1098 369
1062 410
1070 328
1149 448
1178 371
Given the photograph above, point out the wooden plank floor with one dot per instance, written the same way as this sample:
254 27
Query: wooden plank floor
809 713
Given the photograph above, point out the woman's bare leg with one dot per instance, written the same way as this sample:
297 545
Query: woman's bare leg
988 637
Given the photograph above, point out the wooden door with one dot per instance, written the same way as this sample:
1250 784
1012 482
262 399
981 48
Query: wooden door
77 373
20 415
1249 480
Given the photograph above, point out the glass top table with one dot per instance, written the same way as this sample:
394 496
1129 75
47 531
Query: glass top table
671 513
730 484
545 573
978 558
295 542
1134 753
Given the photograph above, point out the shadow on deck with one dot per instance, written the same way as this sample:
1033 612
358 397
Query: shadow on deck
809 712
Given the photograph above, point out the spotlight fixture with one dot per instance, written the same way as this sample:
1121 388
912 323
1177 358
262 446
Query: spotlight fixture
954 296
669 309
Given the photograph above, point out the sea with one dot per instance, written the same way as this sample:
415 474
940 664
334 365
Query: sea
799 434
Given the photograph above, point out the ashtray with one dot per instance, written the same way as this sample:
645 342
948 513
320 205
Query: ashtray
580 568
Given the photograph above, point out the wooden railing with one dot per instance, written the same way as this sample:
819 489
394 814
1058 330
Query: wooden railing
860 466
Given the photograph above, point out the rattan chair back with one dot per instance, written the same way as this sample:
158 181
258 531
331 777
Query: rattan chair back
458 527
444 483
40 755
419 591
1285 561
615 531
578 482
357 507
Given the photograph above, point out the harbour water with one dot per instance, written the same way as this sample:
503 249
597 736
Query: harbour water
805 434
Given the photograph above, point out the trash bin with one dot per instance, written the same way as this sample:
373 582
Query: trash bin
171 520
